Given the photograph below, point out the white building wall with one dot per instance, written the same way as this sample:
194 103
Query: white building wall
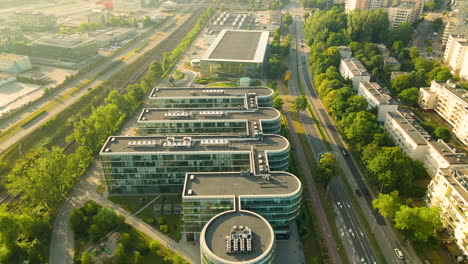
15 64
383 108
346 73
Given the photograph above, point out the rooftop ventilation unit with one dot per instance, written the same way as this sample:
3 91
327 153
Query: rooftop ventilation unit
142 143
177 114
112 139
240 240
189 192
213 91
211 113
192 177
214 142
171 142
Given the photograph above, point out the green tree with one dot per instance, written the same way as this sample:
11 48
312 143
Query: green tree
278 103
120 256
359 127
86 258
409 96
274 66
164 228
401 83
443 133
300 103
414 53
137 258
418 223
437 24
154 246
327 168
387 204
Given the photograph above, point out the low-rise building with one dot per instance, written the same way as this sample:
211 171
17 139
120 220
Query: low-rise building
345 52
105 38
209 121
4 79
449 190
126 4
8 37
392 63
407 134
441 155
14 63
226 97
376 97
96 17
70 48
236 53
394 74
158 164
276 196
34 21
456 55
354 70
449 101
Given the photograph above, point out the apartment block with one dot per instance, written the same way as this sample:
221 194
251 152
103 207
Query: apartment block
449 190
209 121
376 97
441 155
451 103
276 196
34 21
158 164
407 134
456 55
127 4
354 70
226 97
403 12
351 5
14 63
345 52
8 37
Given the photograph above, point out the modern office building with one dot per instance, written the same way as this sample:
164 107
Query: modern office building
226 97
209 121
376 97
8 36
274 195
449 190
14 63
237 236
34 21
456 55
68 48
354 70
236 53
407 134
440 155
158 164
450 102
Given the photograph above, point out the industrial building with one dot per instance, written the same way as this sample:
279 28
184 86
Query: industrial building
353 69
274 195
237 236
34 21
158 164
449 190
225 97
209 121
14 63
236 53
376 97
65 48
450 102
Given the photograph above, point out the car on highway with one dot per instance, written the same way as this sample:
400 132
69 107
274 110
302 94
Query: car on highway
365 191
398 253
345 153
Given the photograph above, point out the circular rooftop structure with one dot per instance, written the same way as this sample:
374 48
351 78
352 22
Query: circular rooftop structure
237 237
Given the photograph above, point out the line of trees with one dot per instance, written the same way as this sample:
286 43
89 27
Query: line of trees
278 49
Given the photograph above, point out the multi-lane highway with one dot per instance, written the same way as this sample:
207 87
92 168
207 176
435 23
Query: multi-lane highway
361 249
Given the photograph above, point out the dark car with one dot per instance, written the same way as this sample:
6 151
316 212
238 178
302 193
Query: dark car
358 192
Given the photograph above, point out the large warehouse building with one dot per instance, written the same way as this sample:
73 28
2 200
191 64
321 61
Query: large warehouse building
236 53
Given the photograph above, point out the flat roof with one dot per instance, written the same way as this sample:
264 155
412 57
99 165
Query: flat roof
150 115
163 144
450 153
181 92
378 93
406 121
458 179
10 56
220 226
454 89
355 66
236 184
239 46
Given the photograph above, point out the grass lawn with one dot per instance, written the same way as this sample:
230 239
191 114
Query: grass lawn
223 84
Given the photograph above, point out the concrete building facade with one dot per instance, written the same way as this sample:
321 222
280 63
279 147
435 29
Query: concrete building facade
403 12
440 155
236 53
407 134
14 63
34 21
354 70
71 48
8 37
456 55
376 97
450 102
449 190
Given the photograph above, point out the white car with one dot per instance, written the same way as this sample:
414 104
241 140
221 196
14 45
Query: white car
398 253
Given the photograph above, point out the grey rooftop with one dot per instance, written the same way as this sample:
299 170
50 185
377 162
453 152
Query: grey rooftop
235 184
238 45
378 93
209 92
356 67
450 153
407 122
220 226
164 144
